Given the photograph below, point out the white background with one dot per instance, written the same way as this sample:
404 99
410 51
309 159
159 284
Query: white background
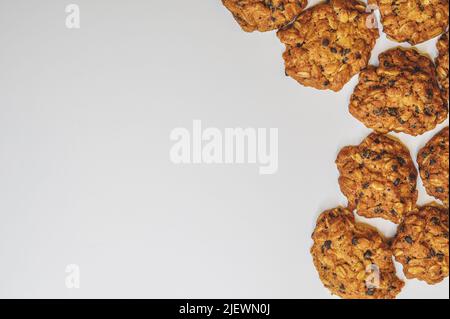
85 176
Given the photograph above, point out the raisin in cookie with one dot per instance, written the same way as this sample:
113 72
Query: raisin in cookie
378 177
434 166
264 15
442 65
421 244
400 95
328 44
351 257
413 21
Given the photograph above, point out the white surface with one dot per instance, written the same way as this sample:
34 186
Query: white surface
85 117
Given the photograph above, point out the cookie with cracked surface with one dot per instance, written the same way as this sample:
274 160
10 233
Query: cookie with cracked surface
434 166
413 21
346 254
328 44
378 177
401 94
442 65
421 244
264 15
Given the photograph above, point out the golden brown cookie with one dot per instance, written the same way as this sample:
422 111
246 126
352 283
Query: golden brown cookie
434 166
378 177
421 244
400 95
353 259
413 21
328 44
442 65
264 15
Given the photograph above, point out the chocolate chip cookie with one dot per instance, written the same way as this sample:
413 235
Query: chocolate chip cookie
328 44
378 177
352 259
264 15
401 94
413 21
421 244
442 65
434 166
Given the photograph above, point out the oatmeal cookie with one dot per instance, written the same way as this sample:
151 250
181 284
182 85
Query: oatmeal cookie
442 65
434 166
401 94
264 15
413 21
378 177
328 44
347 255
421 244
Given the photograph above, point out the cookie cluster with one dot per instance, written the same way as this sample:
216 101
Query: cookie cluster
328 44
379 179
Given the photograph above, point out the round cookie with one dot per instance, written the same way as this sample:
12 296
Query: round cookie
352 259
413 21
433 160
328 44
378 177
421 244
264 15
442 64
401 94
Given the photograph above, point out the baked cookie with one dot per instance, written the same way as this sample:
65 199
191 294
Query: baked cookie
328 44
442 64
264 15
413 21
421 244
434 166
400 95
378 177
353 259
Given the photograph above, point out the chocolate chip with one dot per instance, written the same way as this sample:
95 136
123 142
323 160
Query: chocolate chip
346 51
401 161
409 240
368 254
440 190
370 292
355 241
397 182
392 111
366 153
432 253
325 42
327 244
436 221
